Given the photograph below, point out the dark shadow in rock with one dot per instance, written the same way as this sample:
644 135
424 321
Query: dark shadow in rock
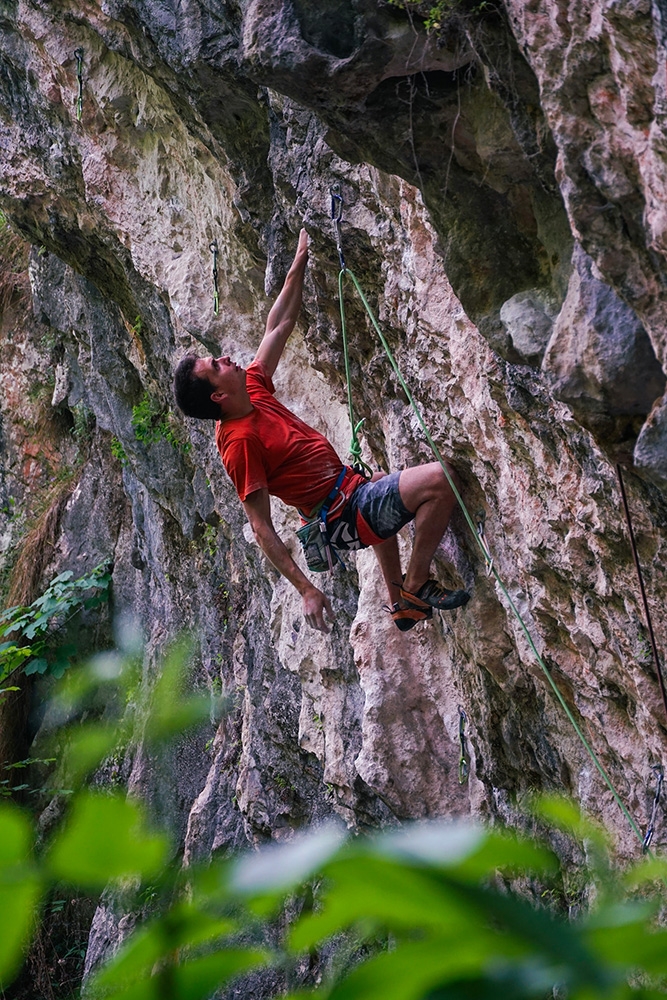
331 29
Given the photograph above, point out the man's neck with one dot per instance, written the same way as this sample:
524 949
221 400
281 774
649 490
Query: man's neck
235 407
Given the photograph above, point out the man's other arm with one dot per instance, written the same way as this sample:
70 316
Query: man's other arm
285 310
315 603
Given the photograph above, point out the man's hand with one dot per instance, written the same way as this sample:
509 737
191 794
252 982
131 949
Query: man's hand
315 603
302 248
258 509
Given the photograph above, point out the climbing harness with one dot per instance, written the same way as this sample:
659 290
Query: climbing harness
358 463
635 554
464 766
213 247
337 212
78 53
318 552
659 778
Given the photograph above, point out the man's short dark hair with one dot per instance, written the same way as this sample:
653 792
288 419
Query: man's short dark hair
193 394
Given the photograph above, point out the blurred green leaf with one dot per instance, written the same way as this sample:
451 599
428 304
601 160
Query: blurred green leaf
172 710
88 747
102 676
20 893
105 838
437 842
398 890
196 979
466 849
278 867
648 870
10 613
411 971
537 930
392 895
565 815
168 721
623 936
20 888
200 977
409 900
16 836
185 926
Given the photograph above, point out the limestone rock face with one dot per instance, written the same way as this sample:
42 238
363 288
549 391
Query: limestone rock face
528 319
602 361
600 66
503 191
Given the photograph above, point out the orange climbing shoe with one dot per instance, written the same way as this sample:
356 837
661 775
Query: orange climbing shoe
432 595
407 618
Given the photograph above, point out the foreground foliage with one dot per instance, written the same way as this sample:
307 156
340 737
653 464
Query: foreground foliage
421 913
33 635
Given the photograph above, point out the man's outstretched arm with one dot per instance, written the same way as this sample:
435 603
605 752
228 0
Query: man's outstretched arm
285 310
315 603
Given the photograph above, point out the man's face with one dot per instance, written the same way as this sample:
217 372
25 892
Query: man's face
221 373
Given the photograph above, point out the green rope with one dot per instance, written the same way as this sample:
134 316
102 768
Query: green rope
355 444
436 451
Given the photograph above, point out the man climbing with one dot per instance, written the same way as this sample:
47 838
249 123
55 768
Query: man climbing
268 451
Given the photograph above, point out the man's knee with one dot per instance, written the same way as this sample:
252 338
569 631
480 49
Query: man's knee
422 483
453 475
438 480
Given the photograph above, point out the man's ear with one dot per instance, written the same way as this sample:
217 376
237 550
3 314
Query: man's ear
218 397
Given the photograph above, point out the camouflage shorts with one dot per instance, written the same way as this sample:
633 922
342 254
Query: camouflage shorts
373 513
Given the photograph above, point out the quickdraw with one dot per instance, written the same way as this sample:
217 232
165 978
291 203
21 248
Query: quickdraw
78 53
659 778
464 765
213 247
481 521
337 218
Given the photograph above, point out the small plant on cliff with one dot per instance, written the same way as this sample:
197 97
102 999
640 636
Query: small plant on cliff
436 13
150 424
118 452
32 633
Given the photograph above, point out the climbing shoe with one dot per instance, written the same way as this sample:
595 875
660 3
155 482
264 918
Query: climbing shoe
407 618
432 595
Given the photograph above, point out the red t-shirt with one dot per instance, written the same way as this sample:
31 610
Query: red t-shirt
272 448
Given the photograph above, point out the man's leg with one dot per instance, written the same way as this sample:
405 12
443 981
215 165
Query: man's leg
389 559
421 494
425 490
390 564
